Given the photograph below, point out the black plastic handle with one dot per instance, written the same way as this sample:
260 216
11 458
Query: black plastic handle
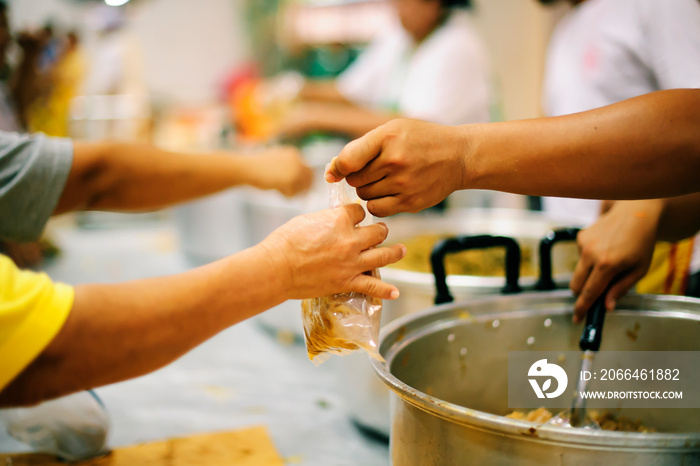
463 243
546 279
592 333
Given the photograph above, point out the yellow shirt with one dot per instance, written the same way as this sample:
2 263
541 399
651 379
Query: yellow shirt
32 311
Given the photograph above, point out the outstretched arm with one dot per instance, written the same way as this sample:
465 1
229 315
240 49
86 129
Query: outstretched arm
131 177
640 148
119 331
347 119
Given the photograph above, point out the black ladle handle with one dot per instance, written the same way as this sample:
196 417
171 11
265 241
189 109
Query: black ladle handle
592 333
463 243
546 280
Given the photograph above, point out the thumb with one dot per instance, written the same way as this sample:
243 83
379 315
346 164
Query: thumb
355 155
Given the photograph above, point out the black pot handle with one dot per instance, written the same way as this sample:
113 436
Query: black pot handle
463 243
546 280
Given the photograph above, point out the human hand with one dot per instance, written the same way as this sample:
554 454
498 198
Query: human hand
281 168
402 166
616 249
324 253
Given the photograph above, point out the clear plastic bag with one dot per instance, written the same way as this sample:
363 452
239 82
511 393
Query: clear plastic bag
342 323
73 427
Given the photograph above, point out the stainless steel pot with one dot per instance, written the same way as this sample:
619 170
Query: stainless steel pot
418 289
366 398
459 354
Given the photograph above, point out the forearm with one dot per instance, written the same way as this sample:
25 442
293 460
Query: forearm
120 331
132 177
350 120
680 218
322 91
640 148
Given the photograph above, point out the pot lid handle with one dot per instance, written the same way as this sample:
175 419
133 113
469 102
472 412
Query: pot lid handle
546 280
463 243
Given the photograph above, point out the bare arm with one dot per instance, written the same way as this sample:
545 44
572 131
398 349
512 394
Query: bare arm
322 91
119 331
680 218
645 147
342 118
130 177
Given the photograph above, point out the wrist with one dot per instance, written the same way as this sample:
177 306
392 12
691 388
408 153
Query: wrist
272 257
464 150
647 211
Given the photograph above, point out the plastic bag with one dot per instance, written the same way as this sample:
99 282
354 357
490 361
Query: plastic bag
73 427
342 323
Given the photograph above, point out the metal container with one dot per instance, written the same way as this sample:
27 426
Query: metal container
418 289
447 369
366 398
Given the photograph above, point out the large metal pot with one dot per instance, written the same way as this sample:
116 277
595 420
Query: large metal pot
459 354
366 398
418 288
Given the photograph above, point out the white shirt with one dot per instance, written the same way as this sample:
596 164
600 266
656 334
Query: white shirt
445 79
605 51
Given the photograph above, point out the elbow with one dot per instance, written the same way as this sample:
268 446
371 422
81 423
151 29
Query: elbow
38 382
95 175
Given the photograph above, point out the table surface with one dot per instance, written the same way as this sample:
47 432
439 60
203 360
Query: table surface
244 376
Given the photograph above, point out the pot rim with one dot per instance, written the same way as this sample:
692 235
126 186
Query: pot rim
400 332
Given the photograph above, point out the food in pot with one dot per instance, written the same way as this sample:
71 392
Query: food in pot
606 420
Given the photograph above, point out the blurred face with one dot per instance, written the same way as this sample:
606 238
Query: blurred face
419 17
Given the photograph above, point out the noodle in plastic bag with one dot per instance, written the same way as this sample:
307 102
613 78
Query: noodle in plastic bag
346 322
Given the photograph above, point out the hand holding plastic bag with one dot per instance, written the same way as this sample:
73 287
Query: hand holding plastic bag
345 322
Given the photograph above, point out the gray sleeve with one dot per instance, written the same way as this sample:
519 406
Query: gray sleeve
33 173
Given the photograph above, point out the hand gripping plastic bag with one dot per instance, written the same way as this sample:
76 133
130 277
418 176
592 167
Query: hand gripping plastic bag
346 322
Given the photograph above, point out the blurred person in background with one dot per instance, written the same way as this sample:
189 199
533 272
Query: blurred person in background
21 86
602 52
116 104
50 113
117 62
432 66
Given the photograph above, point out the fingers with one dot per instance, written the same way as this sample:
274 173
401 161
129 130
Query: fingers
376 190
583 269
385 206
371 173
597 282
355 155
372 286
621 287
372 235
381 257
354 212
